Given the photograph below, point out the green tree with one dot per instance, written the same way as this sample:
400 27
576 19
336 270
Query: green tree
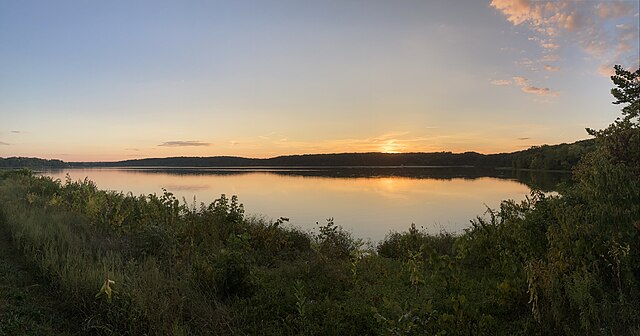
588 281
621 140
627 92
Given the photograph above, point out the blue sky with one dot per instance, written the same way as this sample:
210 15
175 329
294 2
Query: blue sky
92 80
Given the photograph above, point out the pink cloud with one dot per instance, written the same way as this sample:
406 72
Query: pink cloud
501 82
517 11
606 70
550 58
584 24
520 81
526 87
551 68
614 10
189 143
539 91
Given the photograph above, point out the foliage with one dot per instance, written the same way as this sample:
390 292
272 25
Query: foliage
546 157
25 162
558 157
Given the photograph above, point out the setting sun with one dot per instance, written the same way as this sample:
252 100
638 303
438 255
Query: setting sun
390 147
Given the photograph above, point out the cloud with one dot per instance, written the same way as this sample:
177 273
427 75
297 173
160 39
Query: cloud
133 149
550 58
550 46
524 138
525 61
551 68
189 143
516 11
15 131
544 16
526 87
500 82
520 81
268 136
606 70
613 10
388 136
585 24
539 91
4 144
544 43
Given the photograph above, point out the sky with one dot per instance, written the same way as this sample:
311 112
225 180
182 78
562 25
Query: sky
115 80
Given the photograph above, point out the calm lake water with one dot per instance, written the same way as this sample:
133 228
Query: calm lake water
369 202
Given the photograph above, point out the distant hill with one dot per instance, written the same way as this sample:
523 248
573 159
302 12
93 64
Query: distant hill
25 162
318 160
546 157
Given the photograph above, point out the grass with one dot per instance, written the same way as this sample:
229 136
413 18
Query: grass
27 305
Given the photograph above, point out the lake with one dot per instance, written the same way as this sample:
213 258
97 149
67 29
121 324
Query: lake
369 202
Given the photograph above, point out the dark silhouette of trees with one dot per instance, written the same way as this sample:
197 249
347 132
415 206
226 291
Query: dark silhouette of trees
621 140
24 162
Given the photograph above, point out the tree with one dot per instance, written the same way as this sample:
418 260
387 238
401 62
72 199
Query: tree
588 281
627 92
621 140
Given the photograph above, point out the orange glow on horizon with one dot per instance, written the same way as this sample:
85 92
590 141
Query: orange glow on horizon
388 148
391 147
391 143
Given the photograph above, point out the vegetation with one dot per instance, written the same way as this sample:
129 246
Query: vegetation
24 162
125 264
26 308
556 157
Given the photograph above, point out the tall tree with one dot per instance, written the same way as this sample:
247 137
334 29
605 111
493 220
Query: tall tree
621 139
627 92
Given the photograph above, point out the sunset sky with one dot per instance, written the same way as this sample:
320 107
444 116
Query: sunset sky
112 80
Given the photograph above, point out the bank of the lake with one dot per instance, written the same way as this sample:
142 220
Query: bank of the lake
367 201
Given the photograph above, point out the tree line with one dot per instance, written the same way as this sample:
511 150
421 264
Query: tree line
545 157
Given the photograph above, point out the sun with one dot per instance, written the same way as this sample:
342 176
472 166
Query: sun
390 147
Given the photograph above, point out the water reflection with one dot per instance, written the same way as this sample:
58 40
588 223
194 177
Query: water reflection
369 202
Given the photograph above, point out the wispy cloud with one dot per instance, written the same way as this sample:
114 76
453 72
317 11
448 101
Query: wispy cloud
613 10
606 70
15 131
520 81
500 82
585 24
389 136
524 138
2 143
539 91
133 149
525 86
551 68
189 143
550 58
